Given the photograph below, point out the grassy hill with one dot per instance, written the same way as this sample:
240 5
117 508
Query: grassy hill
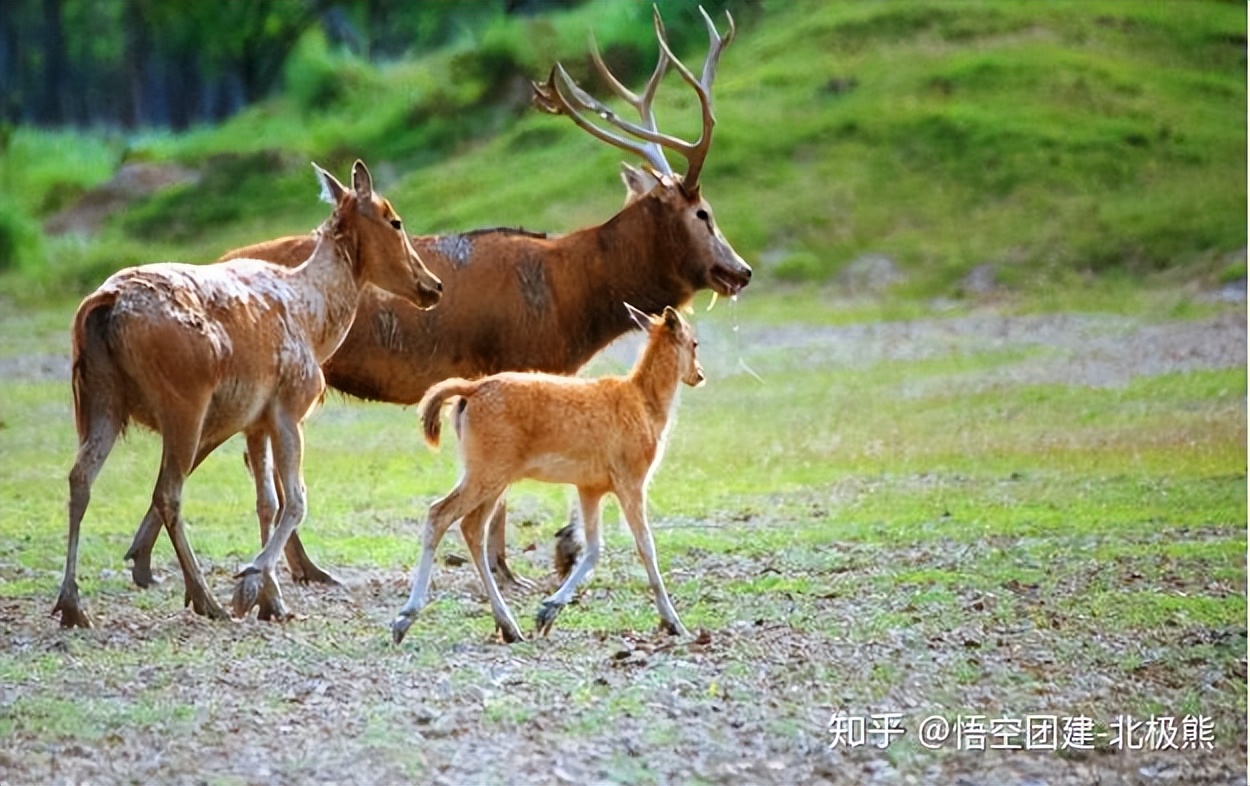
1043 142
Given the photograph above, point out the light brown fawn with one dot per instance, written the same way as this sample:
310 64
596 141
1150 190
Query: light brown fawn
519 300
600 435
200 353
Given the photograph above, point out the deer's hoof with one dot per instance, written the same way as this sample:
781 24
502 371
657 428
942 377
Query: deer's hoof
72 614
308 573
508 632
246 593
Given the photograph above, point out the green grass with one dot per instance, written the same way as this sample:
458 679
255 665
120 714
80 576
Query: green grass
1069 145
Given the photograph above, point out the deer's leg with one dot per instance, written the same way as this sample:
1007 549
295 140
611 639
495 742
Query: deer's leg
259 460
141 549
634 507
93 449
496 545
150 529
467 495
471 527
176 463
258 581
590 504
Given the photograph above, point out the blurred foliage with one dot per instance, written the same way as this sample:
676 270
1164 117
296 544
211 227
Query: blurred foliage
1049 142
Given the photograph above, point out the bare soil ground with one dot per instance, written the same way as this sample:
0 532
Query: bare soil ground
328 699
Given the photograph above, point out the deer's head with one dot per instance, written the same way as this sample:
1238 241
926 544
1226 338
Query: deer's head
709 259
374 238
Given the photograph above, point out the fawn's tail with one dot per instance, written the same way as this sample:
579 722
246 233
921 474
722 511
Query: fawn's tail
431 405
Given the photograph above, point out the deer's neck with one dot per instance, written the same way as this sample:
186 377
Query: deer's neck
327 291
657 376
636 258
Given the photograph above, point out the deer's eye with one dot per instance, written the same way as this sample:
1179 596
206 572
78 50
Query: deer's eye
395 222
701 214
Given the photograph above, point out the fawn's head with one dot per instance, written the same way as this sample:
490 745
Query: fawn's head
381 251
675 332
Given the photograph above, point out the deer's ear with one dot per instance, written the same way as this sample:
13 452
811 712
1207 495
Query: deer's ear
362 181
331 189
638 182
672 320
641 318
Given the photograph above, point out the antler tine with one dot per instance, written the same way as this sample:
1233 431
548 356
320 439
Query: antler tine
551 98
560 95
641 103
697 152
716 44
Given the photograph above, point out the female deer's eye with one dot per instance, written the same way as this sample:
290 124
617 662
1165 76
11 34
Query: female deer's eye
395 222
701 214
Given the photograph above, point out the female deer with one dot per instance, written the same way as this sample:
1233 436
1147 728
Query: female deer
600 435
200 353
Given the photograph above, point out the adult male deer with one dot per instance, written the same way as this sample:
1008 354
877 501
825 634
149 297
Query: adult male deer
600 435
517 300
200 353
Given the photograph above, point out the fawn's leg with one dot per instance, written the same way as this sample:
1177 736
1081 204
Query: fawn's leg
468 494
634 507
590 500
471 527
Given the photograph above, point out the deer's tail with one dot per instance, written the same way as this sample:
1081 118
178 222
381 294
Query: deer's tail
431 405
94 372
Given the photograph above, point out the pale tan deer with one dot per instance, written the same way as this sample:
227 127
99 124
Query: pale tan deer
600 435
200 353
518 300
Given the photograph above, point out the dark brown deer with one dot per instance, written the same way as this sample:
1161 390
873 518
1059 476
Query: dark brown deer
517 300
199 353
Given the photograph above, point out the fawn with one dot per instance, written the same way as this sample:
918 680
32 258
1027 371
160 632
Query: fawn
600 435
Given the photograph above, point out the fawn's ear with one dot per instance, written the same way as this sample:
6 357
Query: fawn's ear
672 320
331 189
642 319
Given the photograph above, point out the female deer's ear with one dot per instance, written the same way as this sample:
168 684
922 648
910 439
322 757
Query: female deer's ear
672 320
642 319
362 181
331 189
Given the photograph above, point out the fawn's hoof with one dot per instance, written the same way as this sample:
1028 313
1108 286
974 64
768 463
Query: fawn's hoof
546 616
399 628
674 628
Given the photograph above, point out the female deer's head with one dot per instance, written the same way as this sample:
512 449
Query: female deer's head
373 235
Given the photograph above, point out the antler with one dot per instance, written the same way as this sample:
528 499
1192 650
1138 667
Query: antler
561 96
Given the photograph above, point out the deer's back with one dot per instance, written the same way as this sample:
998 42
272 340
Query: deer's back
177 331
504 307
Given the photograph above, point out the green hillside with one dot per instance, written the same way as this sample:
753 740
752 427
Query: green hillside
1048 141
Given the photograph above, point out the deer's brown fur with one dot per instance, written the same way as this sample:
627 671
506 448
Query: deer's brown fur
529 302
200 353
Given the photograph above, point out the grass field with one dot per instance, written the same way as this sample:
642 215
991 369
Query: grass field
983 513
1007 479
